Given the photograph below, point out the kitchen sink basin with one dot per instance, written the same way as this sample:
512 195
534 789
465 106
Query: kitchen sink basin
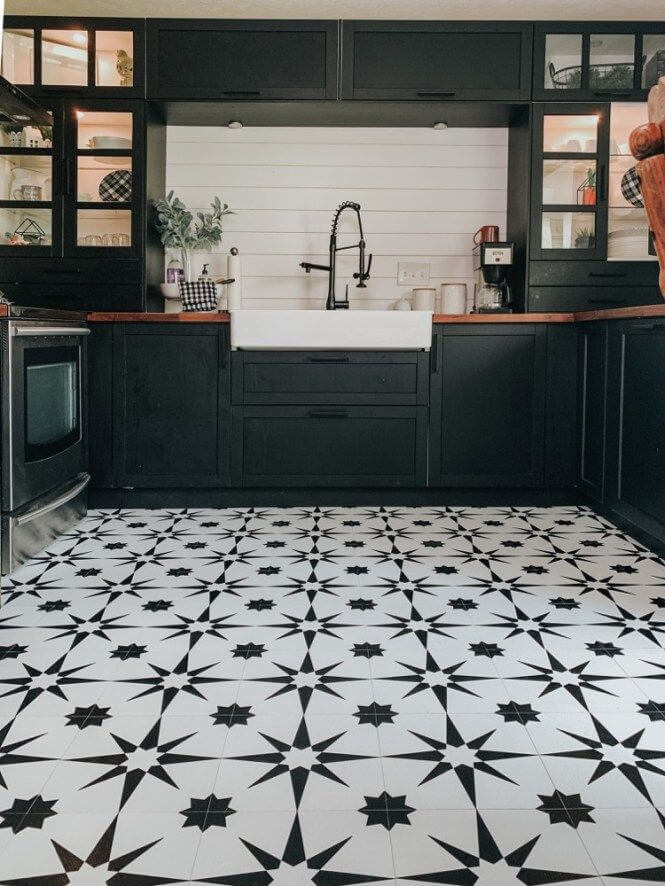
331 330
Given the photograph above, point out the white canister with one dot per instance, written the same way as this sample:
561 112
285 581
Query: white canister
424 298
453 298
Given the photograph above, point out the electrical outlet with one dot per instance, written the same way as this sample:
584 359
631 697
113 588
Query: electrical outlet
412 273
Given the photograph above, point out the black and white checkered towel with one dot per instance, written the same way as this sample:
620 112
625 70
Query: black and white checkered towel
199 295
631 187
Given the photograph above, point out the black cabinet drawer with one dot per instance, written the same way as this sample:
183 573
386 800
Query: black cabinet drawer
434 60
79 297
592 273
53 271
239 60
331 377
590 298
330 446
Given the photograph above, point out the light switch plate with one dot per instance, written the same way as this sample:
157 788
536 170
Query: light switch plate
412 273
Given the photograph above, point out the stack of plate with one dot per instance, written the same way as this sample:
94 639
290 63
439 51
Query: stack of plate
628 242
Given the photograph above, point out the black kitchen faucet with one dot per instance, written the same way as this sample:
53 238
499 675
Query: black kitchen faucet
362 273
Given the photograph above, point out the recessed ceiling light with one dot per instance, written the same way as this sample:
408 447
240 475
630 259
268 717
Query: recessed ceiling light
234 124
440 125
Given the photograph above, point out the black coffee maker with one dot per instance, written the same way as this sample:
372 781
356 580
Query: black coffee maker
491 264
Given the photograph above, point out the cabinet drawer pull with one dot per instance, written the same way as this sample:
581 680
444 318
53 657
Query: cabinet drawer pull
615 274
62 270
328 359
330 413
608 93
239 92
607 301
651 327
434 94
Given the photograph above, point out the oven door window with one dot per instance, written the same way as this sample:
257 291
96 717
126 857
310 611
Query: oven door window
52 419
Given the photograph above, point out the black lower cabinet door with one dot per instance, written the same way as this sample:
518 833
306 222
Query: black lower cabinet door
330 446
100 405
171 405
641 438
488 406
593 357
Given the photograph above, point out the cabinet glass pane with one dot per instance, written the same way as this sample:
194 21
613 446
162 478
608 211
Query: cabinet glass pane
628 230
653 59
114 58
105 179
612 61
25 178
64 58
569 182
570 133
568 230
23 227
563 61
102 130
18 55
104 227
13 135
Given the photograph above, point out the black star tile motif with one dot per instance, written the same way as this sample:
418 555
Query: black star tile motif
289 684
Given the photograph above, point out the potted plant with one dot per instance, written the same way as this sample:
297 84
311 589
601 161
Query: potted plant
179 229
584 239
589 188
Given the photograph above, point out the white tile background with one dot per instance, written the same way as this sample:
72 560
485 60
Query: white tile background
423 193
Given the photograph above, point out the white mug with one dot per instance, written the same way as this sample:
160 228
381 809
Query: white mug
424 298
453 298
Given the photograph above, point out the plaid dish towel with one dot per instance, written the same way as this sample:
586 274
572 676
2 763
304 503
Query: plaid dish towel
200 295
631 187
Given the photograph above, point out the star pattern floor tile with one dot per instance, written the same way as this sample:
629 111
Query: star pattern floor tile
334 696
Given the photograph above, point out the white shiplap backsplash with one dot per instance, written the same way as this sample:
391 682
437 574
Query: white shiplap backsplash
423 193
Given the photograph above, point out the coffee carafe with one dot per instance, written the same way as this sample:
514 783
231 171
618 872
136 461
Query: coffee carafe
492 260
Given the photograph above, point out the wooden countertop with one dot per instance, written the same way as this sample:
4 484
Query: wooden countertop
504 318
139 317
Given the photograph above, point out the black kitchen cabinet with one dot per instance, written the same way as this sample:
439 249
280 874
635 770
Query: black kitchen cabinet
589 246
590 60
171 400
636 422
242 60
487 415
434 60
101 57
334 446
593 366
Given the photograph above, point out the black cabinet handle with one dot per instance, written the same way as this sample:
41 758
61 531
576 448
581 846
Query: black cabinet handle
249 92
607 301
615 274
651 327
434 355
328 359
434 94
62 270
329 413
607 93
602 177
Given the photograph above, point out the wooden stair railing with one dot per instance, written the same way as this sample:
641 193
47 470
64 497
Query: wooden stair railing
647 145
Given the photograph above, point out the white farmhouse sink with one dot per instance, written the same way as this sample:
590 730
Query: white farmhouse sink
331 330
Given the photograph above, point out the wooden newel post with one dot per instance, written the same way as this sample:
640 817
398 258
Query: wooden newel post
647 145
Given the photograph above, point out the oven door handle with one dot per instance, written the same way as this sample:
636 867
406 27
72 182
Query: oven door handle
71 493
34 332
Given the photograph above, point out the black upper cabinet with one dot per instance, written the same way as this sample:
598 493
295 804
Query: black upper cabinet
591 60
487 414
171 405
432 61
242 60
104 57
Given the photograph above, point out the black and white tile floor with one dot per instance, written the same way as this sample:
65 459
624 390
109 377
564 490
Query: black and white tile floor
334 696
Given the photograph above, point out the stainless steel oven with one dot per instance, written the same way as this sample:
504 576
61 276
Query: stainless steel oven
44 425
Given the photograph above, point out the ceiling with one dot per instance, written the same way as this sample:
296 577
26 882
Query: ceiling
601 10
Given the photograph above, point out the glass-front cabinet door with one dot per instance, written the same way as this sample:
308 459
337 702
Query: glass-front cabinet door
29 183
590 60
96 56
102 179
568 194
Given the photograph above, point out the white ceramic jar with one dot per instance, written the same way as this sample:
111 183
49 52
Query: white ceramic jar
453 298
424 298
